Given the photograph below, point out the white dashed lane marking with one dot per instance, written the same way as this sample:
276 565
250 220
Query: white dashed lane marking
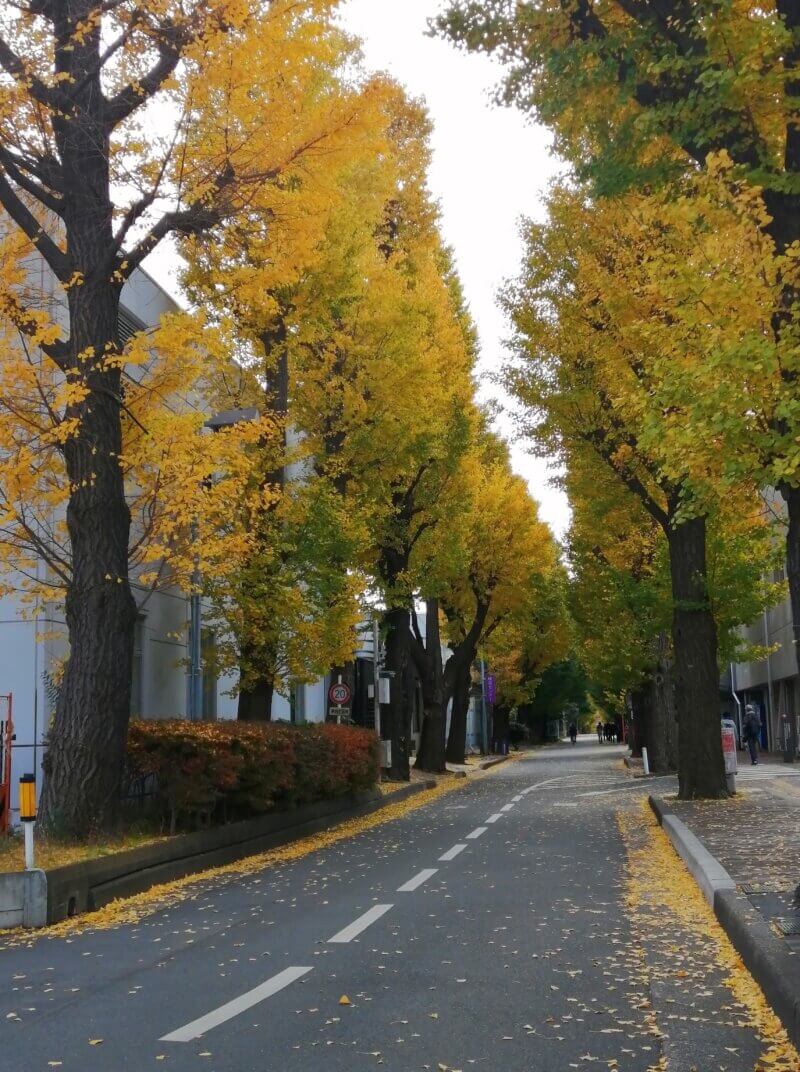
234 1008
493 818
476 833
359 925
415 882
452 853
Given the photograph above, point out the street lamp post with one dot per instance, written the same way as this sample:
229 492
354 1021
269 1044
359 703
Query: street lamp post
227 419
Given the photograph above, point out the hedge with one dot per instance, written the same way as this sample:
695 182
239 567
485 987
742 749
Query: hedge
222 771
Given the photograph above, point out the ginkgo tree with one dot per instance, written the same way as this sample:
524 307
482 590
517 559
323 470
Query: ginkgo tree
380 361
621 604
638 95
603 360
88 188
503 569
271 274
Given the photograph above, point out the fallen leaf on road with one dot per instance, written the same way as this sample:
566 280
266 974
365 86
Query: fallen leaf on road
345 1000
95 1042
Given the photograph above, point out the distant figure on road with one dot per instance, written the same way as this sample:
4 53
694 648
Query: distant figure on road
599 729
752 731
573 732
608 730
618 730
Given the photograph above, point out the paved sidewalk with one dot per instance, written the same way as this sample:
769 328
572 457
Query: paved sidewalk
754 836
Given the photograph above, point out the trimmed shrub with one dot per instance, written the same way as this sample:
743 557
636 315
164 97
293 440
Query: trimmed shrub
222 771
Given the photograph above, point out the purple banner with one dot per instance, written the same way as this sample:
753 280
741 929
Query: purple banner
490 689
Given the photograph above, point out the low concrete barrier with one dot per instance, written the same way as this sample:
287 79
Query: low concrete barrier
23 899
86 886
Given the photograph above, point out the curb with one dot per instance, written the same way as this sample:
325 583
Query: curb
766 957
705 869
487 763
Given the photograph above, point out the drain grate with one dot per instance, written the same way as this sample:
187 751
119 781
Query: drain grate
788 926
765 887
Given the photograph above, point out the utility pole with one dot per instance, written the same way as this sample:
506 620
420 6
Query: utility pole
376 672
484 714
195 704
227 419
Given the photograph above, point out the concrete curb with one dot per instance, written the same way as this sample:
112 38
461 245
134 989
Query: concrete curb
87 886
487 763
766 957
706 870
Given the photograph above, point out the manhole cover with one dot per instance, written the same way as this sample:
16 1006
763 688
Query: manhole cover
788 926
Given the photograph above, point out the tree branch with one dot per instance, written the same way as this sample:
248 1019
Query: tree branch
14 166
29 225
14 66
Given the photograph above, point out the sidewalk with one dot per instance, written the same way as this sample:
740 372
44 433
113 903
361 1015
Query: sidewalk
754 835
744 854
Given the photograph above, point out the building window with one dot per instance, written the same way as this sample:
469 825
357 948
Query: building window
137 668
208 645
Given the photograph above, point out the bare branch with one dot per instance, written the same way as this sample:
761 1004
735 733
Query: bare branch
13 65
170 49
29 225
14 167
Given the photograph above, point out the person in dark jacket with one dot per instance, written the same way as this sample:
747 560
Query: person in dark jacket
752 731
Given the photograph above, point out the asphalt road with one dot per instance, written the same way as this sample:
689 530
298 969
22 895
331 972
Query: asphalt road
487 930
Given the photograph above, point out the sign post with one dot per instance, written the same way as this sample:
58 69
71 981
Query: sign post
729 753
339 694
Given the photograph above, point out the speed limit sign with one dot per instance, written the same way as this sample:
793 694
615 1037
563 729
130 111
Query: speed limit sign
340 694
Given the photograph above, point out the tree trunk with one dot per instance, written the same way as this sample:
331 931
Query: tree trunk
641 705
431 754
255 701
501 719
457 737
86 745
397 727
701 770
665 728
634 732
257 669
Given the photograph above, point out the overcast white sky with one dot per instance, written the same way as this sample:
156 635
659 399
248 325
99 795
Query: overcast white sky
489 168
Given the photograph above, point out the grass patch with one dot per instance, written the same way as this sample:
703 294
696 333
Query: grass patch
52 852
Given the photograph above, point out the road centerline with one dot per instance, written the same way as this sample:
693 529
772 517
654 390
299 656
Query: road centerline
476 833
418 879
452 853
358 926
238 1005
493 818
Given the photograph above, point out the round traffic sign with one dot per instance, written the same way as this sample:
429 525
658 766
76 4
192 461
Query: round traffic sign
340 694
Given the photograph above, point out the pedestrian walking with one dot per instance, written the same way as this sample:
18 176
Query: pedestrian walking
752 731
573 732
599 728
